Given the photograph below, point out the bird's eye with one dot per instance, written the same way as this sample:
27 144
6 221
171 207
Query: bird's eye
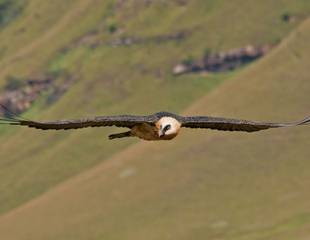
167 127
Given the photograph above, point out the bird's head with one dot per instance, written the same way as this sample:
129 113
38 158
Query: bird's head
168 127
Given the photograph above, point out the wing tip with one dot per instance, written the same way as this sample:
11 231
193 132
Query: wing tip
9 117
306 121
9 121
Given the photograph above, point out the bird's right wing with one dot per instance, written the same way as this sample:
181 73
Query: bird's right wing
119 121
226 124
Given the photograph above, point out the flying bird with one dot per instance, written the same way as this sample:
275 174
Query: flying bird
158 126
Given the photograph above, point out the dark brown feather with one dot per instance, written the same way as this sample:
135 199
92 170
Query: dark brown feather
119 121
129 121
226 124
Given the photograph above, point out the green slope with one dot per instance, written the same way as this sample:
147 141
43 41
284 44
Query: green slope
203 185
46 38
109 80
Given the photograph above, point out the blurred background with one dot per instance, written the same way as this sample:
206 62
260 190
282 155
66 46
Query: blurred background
75 58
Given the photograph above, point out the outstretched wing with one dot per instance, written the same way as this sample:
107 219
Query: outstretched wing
119 121
226 124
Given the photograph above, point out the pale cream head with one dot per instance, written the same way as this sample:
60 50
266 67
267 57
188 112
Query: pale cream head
168 126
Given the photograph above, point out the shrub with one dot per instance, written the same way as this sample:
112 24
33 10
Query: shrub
112 28
9 9
286 17
189 60
14 83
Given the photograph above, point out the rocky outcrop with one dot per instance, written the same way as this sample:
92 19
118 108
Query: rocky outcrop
127 41
92 41
19 95
223 61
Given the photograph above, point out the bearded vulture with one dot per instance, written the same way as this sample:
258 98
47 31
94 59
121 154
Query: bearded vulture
158 126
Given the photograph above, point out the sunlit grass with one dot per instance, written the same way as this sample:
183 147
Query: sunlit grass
201 185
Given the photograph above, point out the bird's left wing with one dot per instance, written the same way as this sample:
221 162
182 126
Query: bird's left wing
119 121
226 124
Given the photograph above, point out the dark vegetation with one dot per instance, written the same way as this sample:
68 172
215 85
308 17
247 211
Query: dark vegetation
9 10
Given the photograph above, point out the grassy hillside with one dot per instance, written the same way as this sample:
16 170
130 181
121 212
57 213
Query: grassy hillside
203 185
252 189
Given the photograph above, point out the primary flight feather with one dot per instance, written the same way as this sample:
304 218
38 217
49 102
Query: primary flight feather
158 126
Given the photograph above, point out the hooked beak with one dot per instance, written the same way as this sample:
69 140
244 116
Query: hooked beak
161 133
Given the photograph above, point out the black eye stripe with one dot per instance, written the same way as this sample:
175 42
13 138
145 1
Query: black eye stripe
167 127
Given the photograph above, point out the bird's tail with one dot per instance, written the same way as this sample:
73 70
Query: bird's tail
120 135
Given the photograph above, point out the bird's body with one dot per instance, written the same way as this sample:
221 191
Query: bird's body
145 131
158 126
156 132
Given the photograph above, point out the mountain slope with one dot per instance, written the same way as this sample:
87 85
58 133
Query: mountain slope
205 184
71 40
